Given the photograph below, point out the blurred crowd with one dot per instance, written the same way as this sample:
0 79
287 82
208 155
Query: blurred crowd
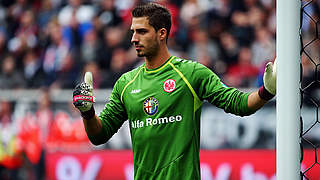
26 135
50 43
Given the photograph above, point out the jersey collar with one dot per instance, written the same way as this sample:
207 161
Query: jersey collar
158 68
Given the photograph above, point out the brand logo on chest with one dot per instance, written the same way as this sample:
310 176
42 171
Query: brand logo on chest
135 91
150 106
169 85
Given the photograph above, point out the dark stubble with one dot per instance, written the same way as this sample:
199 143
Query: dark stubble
151 51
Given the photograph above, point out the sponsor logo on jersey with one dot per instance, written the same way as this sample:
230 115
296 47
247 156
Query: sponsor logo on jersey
150 106
157 121
169 85
134 91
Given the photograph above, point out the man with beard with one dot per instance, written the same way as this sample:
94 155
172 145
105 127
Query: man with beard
162 101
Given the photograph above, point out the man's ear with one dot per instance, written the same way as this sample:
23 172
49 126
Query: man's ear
163 34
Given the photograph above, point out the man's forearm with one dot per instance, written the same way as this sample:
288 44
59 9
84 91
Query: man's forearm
266 92
255 102
93 126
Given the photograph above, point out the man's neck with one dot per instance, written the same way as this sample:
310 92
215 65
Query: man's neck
158 60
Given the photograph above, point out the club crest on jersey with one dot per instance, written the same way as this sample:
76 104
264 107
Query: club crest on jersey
150 106
169 85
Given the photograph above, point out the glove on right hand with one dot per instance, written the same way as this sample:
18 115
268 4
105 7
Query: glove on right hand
83 98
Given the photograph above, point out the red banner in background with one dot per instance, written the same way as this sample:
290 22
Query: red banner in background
113 165
238 164
217 165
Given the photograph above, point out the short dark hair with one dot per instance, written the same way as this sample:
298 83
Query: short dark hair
158 15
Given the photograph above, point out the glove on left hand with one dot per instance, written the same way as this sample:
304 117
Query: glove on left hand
270 77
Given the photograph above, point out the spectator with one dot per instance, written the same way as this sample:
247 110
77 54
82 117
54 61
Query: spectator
30 137
229 48
2 14
55 53
203 49
75 9
10 77
108 14
124 7
40 131
112 38
46 13
189 11
5 113
68 72
75 19
222 9
67 133
44 113
118 65
249 4
263 47
244 73
10 150
14 14
241 28
25 37
91 48
190 19
257 17
3 43
32 70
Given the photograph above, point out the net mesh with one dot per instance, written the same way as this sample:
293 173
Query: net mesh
310 57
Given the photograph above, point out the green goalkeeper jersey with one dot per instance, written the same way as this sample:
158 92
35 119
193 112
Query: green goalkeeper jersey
163 106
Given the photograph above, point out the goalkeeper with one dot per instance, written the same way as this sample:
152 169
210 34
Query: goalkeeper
162 101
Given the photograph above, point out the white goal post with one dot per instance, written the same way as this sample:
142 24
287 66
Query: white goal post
288 93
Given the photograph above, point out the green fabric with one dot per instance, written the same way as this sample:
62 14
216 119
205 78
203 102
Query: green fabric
165 126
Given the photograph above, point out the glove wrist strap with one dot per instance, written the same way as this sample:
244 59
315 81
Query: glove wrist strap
265 94
88 114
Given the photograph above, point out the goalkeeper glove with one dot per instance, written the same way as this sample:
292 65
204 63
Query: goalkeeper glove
268 90
83 98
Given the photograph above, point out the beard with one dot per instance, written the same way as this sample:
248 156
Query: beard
150 51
